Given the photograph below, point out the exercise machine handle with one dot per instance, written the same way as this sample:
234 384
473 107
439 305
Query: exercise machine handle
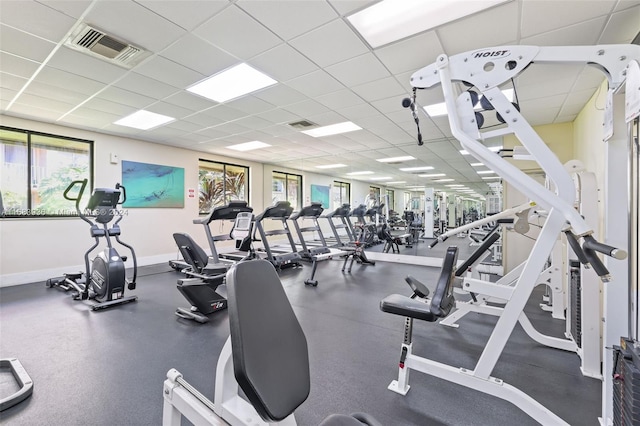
124 193
591 244
577 249
71 186
436 241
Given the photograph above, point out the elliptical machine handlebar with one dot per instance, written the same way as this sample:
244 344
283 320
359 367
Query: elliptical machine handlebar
124 193
77 199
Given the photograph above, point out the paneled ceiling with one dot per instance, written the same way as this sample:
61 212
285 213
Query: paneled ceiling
326 74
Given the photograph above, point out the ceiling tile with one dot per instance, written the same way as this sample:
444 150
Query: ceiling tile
578 34
224 112
280 95
222 31
169 110
283 18
251 105
17 66
315 84
55 77
55 92
622 27
358 111
187 14
340 99
346 7
411 54
320 45
542 16
203 119
306 108
145 86
379 89
187 100
279 116
195 53
169 72
14 41
110 107
30 111
131 22
184 126
125 97
37 19
350 72
455 36
12 82
73 8
283 63
75 62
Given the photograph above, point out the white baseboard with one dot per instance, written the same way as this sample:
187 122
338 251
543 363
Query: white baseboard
42 275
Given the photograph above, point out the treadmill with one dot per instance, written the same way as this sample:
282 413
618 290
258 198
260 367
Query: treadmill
279 212
218 261
341 213
311 212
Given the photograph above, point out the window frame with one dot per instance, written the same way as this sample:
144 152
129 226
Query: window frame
224 173
286 187
30 210
347 185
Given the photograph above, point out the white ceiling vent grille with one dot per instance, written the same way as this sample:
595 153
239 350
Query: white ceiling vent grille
97 43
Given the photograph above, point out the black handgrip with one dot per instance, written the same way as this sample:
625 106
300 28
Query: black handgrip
70 187
597 264
436 241
590 243
577 249
124 193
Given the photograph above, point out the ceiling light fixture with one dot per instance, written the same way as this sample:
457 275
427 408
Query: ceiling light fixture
396 182
381 178
485 172
248 146
415 169
477 164
445 180
433 175
360 173
491 177
389 20
332 129
455 185
331 166
144 120
232 83
395 159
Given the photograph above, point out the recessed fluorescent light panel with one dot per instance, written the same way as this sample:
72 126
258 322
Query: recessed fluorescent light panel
455 185
331 166
144 120
359 173
491 148
232 83
415 169
485 172
433 175
391 20
396 182
381 178
492 177
332 129
396 159
445 180
435 110
477 164
249 146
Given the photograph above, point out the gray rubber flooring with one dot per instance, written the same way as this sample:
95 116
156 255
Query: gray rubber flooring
107 368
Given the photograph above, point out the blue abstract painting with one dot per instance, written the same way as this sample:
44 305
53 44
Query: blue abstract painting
152 185
320 194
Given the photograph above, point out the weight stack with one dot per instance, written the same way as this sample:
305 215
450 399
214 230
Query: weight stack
626 383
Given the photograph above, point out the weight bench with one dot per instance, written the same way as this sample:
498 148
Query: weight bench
266 357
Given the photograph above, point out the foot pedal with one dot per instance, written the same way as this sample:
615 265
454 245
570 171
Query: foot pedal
131 286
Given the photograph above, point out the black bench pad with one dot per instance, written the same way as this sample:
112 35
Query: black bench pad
405 306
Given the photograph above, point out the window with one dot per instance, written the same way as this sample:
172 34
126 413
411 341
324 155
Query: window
340 193
373 199
287 187
407 201
219 183
392 200
37 168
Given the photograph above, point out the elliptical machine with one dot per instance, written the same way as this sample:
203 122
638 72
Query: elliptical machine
104 278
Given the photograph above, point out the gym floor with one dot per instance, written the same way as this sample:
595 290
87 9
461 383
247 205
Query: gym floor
107 368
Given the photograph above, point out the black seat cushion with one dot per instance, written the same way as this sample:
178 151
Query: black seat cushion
270 355
356 419
191 252
407 307
443 301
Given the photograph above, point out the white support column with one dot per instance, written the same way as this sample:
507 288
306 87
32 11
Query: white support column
428 213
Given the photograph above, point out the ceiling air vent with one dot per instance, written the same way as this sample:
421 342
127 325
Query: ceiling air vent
302 124
97 43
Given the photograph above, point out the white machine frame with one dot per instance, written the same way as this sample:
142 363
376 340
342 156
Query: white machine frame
228 407
487 69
